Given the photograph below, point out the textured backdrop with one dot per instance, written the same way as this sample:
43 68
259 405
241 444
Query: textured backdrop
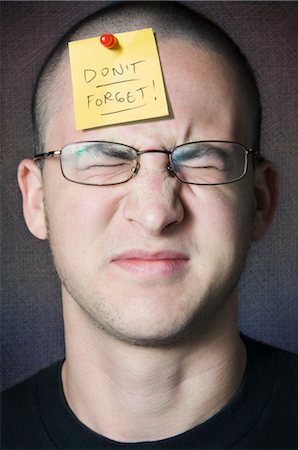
267 32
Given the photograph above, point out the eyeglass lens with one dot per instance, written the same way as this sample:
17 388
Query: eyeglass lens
107 163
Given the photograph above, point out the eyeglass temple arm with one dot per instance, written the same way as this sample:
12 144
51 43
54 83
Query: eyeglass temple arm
47 155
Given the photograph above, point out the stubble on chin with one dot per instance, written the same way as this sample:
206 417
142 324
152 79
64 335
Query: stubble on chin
100 316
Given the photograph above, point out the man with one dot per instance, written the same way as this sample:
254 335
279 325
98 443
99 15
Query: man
149 260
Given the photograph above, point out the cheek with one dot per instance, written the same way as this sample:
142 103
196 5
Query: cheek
78 214
222 237
223 215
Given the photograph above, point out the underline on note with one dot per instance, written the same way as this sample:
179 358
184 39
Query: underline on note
123 110
117 82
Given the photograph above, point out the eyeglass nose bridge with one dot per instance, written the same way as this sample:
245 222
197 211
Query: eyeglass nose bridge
170 168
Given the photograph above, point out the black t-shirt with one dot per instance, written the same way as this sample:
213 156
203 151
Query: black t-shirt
261 415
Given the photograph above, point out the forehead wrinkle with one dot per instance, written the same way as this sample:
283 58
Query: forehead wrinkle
180 23
168 137
52 103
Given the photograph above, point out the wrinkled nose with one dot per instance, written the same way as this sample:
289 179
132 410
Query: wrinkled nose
153 202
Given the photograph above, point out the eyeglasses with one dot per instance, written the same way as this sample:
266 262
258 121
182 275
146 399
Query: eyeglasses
101 163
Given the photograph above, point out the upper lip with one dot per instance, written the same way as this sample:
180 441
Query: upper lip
150 255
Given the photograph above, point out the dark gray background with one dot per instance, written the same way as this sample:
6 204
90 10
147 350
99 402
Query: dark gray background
267 32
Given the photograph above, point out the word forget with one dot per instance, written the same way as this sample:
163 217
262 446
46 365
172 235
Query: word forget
118 85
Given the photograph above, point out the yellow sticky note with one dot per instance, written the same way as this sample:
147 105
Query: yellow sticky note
117 85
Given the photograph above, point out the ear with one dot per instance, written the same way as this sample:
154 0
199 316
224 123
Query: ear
266 188
31 185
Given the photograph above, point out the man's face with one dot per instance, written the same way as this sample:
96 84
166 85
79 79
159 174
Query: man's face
149 258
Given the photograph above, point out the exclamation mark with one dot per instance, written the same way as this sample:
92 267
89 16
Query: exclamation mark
153 84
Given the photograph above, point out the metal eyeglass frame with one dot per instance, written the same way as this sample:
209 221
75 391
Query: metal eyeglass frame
255 154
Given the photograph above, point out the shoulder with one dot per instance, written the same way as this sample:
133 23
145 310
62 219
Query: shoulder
282 365
19 399
276 373
286 375
285 359
270 397
22 397
20 415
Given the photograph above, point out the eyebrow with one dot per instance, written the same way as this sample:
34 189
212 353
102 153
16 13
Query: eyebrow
109 149
207 149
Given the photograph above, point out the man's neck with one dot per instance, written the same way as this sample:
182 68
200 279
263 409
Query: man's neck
131 394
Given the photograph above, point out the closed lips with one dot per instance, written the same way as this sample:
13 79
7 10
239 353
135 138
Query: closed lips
152 264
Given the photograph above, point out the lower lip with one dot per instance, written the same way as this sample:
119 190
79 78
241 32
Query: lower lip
153 268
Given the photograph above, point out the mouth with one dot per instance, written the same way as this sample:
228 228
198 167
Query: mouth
152 264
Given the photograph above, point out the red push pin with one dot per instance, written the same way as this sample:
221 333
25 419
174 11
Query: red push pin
108 40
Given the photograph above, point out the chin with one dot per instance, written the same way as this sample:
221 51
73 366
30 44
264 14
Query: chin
156 333
150 340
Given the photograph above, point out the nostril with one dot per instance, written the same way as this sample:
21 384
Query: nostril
170 226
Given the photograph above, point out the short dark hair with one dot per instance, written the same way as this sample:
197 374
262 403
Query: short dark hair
168 20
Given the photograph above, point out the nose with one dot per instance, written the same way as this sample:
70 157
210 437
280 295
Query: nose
153 202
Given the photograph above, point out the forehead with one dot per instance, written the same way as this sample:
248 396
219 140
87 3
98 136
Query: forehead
201 87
